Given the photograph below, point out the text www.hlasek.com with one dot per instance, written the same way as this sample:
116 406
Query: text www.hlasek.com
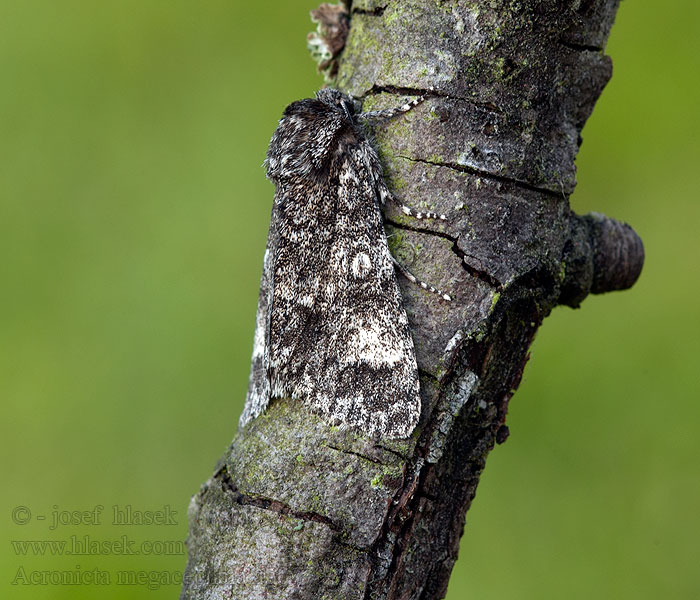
88 546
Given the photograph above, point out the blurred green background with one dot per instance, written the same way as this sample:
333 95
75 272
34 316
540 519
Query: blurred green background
133 216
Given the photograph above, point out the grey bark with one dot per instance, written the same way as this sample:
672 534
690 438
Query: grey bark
298 510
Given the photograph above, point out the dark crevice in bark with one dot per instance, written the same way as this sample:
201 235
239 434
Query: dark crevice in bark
580 47
488 175
480 274
431 93
392 451
473 271
270 504
427 375
396 533
358 454
440 234
403 91
375 12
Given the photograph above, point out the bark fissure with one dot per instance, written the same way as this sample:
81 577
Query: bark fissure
391 450
374 12
464 257
431 93
581 47
270 504
484 276
400 523
358 454
488 175
405 227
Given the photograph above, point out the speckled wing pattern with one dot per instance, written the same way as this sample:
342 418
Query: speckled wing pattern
331 329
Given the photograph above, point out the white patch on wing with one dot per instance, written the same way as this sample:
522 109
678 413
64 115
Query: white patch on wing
260 324
371 344
361 265
259 339
306 300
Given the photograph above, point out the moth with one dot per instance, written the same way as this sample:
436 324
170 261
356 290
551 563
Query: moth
331 329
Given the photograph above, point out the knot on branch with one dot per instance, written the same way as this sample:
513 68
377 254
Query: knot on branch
601 255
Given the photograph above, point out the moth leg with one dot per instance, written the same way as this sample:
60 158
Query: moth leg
377 116
421 215
386 196
413 279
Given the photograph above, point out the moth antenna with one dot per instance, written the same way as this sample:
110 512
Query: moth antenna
377 116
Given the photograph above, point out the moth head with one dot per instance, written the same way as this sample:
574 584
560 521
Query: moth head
338 101
309 136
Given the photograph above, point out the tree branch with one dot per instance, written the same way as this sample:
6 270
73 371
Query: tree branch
296 509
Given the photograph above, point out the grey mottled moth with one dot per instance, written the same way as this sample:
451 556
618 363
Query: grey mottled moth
331 329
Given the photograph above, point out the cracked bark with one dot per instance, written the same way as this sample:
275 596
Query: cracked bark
296 509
